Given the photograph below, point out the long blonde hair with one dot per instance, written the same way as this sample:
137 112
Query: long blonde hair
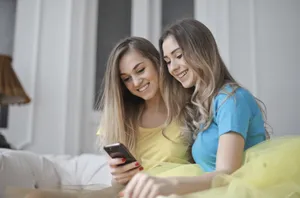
120 110
193 106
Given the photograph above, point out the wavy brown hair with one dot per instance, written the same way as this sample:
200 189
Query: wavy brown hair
120 109
193 106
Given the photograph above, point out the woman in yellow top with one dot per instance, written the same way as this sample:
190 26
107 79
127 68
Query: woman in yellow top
133 112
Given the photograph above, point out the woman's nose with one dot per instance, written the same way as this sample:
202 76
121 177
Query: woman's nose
136 81
173 66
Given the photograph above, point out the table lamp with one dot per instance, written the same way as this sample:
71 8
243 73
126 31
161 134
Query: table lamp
11 89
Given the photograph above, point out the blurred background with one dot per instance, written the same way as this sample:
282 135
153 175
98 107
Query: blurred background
60 48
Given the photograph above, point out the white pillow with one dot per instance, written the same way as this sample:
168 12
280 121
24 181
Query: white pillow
25 169
85 171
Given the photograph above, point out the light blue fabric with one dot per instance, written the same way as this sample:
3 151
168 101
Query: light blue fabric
238 113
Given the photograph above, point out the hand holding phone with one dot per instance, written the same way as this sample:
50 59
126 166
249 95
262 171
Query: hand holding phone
118 150
122 164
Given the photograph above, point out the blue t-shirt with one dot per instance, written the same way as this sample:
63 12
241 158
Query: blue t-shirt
238 113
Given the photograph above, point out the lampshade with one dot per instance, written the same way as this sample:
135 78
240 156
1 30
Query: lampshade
11 90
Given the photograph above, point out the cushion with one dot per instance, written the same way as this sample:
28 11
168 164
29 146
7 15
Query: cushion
28 170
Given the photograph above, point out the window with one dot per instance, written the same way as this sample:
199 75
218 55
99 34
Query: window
173 10
114 24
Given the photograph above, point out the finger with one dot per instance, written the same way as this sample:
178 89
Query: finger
146 189
143 179
131 166
154 192
121 194
129 174
116 161
123 181
124 178
122 169
130 186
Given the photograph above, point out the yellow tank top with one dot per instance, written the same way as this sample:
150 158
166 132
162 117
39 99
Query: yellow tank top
154 149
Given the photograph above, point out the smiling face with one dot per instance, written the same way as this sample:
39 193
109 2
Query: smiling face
177 66
139 75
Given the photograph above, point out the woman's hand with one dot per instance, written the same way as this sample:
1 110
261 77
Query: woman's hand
145 186
122 174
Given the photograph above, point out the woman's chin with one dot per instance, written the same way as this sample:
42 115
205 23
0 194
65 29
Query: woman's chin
148 96
187 84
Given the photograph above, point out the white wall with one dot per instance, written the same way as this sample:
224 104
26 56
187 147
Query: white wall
278 50
55 57
48 55
260 43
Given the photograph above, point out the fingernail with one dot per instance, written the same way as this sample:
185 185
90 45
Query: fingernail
141 168
137 164
123 160
121 194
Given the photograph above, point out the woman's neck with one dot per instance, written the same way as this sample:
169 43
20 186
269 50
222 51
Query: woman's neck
156 104
154 113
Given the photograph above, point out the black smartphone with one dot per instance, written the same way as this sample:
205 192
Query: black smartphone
118 150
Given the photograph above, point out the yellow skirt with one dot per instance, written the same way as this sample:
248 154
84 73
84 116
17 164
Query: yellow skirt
271 170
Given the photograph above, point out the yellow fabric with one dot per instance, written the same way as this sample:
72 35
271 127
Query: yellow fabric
153 149
158 153
271 170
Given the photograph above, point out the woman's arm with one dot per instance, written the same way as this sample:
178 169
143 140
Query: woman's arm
229 159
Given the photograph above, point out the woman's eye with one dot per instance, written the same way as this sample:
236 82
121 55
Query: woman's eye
126 79
179 56
141 70
167 62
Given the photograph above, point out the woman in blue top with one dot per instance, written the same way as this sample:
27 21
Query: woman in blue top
222 118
